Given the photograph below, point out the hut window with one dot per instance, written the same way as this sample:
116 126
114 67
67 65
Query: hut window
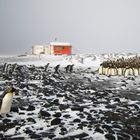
59 48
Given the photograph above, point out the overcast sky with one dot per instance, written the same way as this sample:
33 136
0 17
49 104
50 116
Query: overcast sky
91 26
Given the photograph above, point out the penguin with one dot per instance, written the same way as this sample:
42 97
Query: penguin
6 101
5 67
8 68
57 68
67 68
120 71
136 72
14 67
71 68
46 66
100 70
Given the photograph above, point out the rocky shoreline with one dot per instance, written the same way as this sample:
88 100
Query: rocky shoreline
67 106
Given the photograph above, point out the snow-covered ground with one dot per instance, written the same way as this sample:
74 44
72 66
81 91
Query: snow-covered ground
77 105
41 60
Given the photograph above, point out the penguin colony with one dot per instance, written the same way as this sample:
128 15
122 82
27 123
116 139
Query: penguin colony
14 68
56 103
120 67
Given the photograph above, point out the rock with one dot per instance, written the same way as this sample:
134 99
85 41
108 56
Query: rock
89 117
5 126
80 136
29 114
117 126
108 128
28 131
56 121
110 137
63 107
14 109
1 136
50 136
57 114
30 108
46 105
22 108
123 136
17 128
56 102
135 138
35 136
117 100
16 138
77 108
44 113
6 121
131 78
21 113
31 120
63 131
110 106
83 123
99 130
120 137
77 120
8 115
60 95
67 116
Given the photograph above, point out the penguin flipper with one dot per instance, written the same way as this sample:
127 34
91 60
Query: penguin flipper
0 103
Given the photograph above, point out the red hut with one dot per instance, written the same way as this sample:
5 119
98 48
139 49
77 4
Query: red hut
61 48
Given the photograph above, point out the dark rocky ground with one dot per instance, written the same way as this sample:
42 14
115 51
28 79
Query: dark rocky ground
67 106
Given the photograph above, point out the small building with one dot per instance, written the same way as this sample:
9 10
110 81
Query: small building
38 49
55 48
61 48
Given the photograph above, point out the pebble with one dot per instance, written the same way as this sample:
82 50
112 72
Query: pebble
57 114
77 120
31 120
99 130
56 121
14 109
110 137
44 113
30 108
77 108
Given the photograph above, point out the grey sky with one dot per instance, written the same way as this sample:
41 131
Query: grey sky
91 26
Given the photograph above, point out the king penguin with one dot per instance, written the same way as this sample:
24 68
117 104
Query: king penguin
6 101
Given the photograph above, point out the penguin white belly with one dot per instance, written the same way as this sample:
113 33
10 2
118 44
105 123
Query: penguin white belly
106 71
100 70
6 104
120 71
109 72
103 71
126 73
113 72
136 72
131 72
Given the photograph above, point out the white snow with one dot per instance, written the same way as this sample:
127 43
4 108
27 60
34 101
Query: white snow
41 60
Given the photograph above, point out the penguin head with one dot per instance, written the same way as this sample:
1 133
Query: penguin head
11 90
